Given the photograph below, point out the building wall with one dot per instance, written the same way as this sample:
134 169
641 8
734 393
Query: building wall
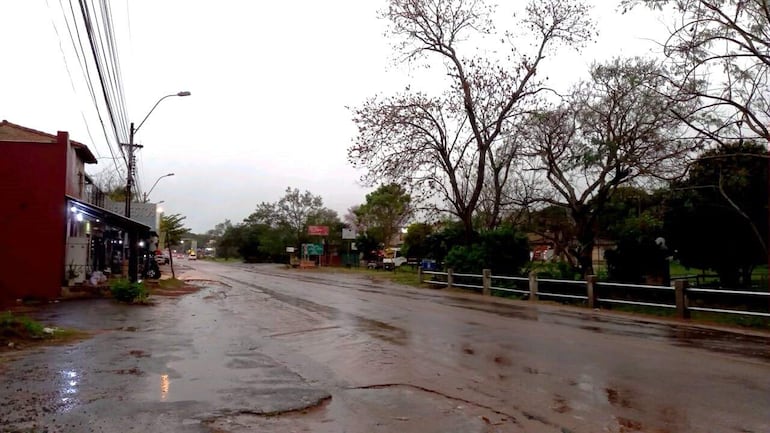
75 179
32 221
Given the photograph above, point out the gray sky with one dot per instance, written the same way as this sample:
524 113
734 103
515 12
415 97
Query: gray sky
269 80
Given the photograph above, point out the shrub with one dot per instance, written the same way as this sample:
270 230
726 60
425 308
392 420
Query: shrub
12 326
557 270
125 291
466 259
503 250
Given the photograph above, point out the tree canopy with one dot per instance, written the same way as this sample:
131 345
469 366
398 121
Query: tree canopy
439 147
717 216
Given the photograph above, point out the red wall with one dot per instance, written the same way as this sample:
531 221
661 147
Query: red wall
32 218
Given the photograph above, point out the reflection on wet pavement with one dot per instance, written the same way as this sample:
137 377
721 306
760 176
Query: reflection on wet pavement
68 390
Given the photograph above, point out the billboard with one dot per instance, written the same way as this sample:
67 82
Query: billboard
318 230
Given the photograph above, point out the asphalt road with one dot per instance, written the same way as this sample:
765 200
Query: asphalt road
261 348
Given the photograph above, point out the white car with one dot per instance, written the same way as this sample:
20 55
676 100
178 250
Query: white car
192 256
162 259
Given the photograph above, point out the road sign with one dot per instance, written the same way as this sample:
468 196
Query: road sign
348 234
313 249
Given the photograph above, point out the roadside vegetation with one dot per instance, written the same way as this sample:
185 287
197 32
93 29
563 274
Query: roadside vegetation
643 170
17 331
123 290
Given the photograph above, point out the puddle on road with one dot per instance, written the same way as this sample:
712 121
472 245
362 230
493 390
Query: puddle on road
68 382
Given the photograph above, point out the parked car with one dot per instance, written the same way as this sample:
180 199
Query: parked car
162 259
192 256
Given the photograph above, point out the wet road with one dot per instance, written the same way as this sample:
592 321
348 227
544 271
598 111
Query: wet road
325 352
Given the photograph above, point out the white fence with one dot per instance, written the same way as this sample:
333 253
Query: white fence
681 297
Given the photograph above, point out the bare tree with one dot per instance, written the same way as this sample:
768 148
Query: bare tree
725 43
440 146
616 128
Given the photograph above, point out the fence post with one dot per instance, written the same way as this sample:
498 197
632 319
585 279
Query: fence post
680 289
449 278
591 290
420 276
486 282
533 286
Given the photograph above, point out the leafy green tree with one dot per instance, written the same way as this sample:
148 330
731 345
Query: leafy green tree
294 209
219 229
615 129
368 245
633 219
387 209
265 233
172 226
440 242
717 217
416 240
503 250
230 241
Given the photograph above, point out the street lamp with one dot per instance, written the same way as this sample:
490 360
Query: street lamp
153 186
132 240
131 146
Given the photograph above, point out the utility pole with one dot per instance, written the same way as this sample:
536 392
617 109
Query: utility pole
133 262
132 235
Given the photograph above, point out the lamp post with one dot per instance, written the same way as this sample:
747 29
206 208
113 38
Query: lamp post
132 258
147 194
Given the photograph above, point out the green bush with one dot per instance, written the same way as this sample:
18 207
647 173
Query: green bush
556 270
125 291
503 250
466 259
19 326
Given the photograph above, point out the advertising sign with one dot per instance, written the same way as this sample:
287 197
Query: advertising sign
318 230
313 249
348 234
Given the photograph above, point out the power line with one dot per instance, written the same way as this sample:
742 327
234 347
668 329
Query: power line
72 82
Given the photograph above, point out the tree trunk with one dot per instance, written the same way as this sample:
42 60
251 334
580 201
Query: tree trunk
468 227
170 257
586 238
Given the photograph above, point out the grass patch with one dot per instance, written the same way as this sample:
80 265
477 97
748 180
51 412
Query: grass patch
701 317
171 287
402 275
642 309
731 320
170 284
223 260
19 329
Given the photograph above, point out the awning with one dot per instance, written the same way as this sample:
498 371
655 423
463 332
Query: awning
108 217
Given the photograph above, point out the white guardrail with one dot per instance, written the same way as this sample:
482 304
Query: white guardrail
590 289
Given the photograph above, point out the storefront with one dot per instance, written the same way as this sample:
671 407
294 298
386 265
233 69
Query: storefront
98 240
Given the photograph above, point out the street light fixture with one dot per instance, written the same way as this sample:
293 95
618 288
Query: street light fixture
147 194
131 146
132 259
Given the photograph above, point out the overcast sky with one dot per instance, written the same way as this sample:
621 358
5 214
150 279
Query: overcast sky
269 80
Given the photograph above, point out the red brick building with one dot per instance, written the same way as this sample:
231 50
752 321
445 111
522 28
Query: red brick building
52 223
